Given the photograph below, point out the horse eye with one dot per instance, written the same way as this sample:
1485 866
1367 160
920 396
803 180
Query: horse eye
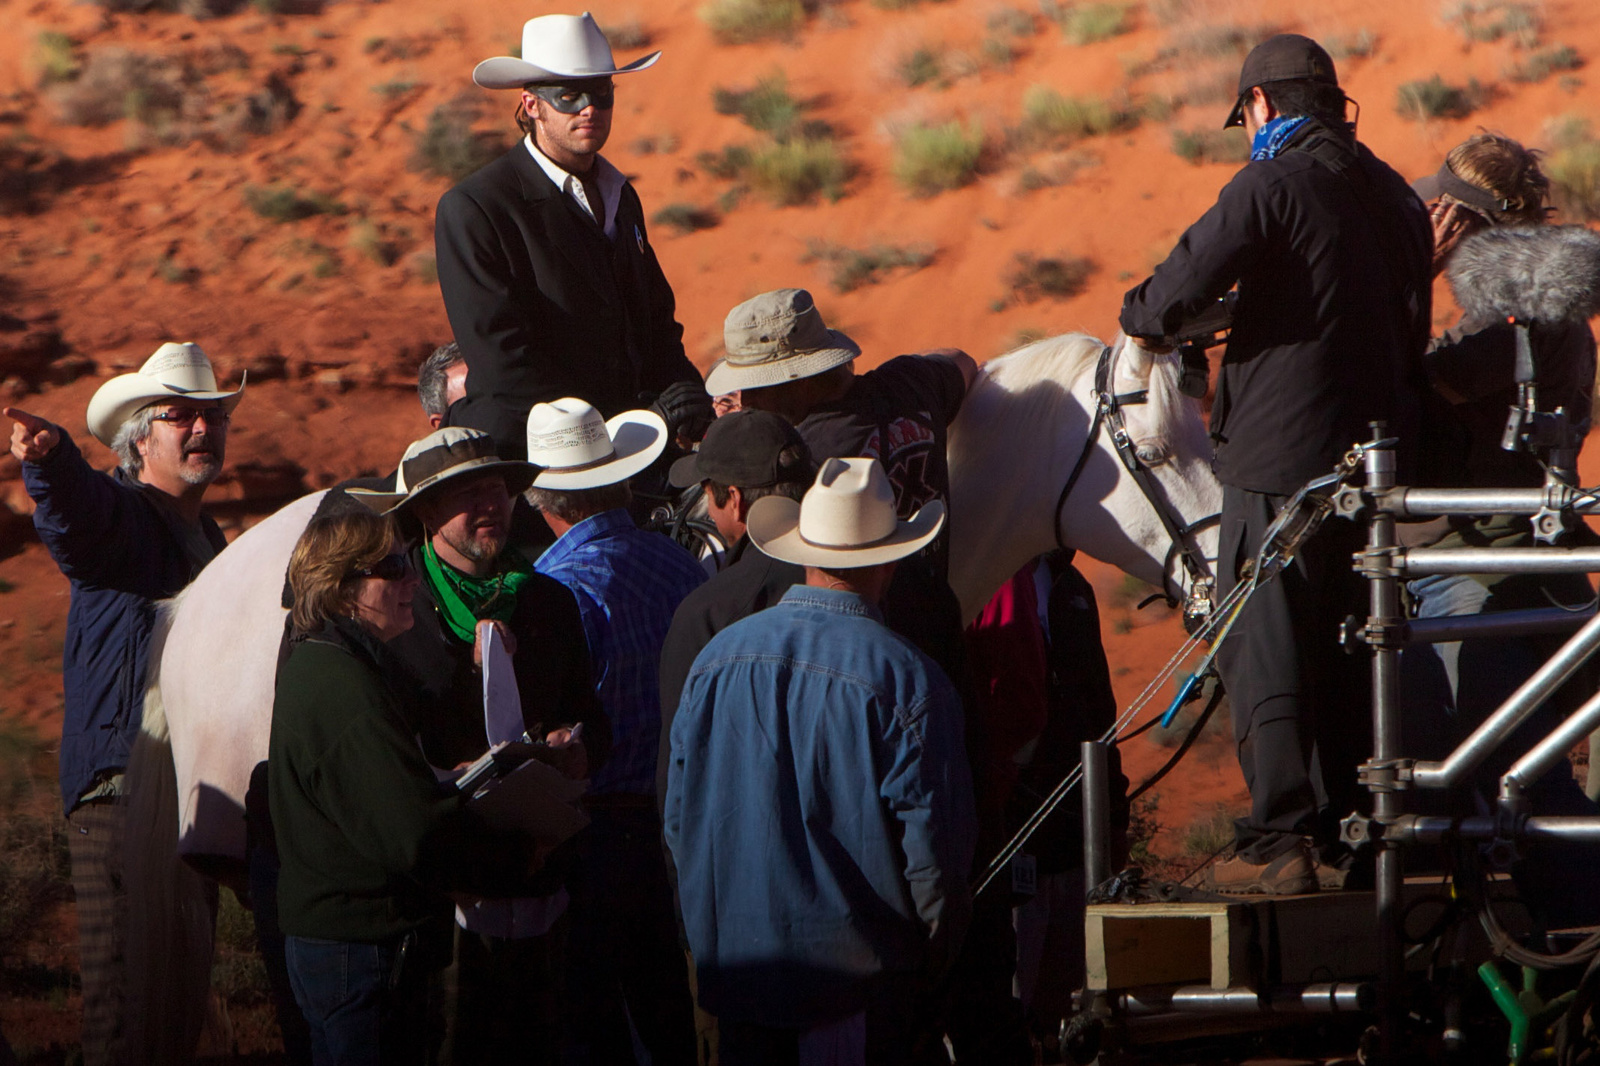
1151 454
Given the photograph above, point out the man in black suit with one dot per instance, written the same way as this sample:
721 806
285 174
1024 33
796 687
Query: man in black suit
550 283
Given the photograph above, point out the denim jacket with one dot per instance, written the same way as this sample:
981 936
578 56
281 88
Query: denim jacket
819 809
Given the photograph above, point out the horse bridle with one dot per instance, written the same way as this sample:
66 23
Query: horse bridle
1108 407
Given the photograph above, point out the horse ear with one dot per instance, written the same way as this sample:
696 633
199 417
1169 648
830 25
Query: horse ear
1136 359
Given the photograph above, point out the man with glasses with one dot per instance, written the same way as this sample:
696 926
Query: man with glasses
548 277
124 540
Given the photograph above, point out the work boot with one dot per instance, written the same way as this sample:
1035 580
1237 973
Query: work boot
1290 874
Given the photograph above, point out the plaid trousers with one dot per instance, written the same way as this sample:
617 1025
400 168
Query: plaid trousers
94 833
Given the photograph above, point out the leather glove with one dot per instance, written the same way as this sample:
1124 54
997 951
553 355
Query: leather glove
686 408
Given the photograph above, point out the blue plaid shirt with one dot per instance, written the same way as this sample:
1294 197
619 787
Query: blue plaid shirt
628 583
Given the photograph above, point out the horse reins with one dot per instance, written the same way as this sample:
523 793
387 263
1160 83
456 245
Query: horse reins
1108 407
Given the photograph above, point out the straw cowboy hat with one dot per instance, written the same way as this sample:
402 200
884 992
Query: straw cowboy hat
846 520
554 48
451 452
175 372
580 450
776 337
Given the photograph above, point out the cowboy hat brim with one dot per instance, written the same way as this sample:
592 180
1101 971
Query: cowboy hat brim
773 526
518 476
637 439
509 72
127 394
726 377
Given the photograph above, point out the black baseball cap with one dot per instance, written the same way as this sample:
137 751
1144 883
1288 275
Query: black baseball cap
1285 57
744 450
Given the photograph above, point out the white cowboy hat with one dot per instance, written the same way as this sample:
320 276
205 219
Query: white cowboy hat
846 520
175 372
776 337
580 450
556 47
451 452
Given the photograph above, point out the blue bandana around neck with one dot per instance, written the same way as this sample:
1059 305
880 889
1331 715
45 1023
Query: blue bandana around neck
1271 138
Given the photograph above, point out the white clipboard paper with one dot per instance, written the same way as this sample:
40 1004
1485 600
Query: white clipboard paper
502 703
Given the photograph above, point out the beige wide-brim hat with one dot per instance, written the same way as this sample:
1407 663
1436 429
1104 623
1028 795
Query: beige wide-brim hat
556 47
846 520
450 453
175 372
776 337
580 450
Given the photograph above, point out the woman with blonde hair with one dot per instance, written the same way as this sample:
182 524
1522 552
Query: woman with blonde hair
369 842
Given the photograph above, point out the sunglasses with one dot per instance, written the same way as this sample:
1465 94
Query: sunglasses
571 99
184 417
391 567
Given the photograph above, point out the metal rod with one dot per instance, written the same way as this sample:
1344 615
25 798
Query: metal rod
1419 562
1096 814
1551 750
1321 998
1432 829
1523 623
1427 503
1384 605
1511 714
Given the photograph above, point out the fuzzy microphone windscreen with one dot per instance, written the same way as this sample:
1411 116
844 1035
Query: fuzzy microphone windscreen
1546 273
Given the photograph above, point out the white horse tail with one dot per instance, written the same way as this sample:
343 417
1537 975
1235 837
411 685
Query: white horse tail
171 908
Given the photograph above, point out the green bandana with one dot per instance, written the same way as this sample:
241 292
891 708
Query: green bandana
466 600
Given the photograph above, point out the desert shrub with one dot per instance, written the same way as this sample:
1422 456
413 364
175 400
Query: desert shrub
395 88
851 268
1355 45
115 83
1207 145
931 159
256 114
629 34
730 162
425 267
1050 118
798 171
448 146
1211 834
1011 22
1092 23
56 57
285 203
744 21
922 65
370 240
1491 20
1058 277
33 849
1434 98
1545 62
1573 166
237 972
684 218
766 108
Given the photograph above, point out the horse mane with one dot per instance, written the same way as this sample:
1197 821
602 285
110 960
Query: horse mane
1024 375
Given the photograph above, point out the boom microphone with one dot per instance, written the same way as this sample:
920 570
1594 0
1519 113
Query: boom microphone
1543 273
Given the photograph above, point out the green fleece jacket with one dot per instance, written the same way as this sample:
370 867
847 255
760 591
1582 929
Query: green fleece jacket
369 841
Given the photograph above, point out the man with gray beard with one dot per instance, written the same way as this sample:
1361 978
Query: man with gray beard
125 540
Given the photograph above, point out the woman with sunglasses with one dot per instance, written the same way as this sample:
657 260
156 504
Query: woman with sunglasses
370 843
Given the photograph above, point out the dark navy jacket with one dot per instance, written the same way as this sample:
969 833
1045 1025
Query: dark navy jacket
122 553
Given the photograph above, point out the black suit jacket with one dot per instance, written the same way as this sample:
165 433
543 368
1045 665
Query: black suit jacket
544 305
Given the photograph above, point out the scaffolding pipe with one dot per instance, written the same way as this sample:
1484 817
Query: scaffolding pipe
1421 562
1543 756
1530 622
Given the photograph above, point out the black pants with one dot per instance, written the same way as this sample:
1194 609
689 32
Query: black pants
1301 707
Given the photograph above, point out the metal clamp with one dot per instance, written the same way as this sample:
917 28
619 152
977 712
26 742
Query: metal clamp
1381 562
1350 502
1386 775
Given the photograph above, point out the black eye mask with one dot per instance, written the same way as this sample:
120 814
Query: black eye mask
573 98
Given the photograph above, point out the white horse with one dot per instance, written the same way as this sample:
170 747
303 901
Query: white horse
1022 429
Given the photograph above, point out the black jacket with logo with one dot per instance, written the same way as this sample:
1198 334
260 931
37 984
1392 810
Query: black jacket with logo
1332 254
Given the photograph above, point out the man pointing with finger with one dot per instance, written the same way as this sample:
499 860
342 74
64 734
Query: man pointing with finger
124 540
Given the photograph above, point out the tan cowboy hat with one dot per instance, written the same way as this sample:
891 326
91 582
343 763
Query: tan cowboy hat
776 337
451 452
580 450
556 47
846 520
174 372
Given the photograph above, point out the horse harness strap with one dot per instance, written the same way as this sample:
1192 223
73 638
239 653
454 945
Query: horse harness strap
1108 412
